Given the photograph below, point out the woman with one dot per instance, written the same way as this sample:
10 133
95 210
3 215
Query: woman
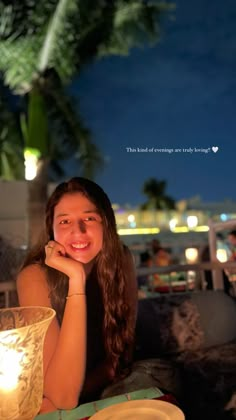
81 269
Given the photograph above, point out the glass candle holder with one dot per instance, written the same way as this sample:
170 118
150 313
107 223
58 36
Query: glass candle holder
22 333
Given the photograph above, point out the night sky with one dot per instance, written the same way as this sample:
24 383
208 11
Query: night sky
180 94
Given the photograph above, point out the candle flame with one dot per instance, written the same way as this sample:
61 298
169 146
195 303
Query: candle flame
10 369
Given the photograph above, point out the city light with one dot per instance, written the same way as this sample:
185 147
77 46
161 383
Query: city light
191 255
138 231
192 222
131 218
31 163
221 255
173 223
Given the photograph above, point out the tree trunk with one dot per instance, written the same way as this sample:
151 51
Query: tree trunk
37 198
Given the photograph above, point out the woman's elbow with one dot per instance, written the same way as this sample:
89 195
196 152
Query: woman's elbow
68 405
65 401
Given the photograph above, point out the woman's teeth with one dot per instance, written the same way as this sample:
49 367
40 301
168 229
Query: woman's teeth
79 246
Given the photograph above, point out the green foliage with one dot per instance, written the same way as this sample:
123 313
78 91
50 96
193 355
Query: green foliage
35 36
11 150
68 134
43 44
66 34
134 24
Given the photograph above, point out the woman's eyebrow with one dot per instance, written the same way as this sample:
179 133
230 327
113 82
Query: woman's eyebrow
61 215
91 211
84 211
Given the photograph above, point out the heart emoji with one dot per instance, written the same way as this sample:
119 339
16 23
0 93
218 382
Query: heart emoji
215 149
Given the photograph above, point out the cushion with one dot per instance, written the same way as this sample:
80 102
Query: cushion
167 325
173 323
217 313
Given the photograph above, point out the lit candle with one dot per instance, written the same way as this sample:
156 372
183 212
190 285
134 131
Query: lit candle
22 332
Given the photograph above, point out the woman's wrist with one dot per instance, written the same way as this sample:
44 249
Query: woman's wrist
76 291
76 285
75 295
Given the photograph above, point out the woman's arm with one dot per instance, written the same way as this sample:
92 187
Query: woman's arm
65 347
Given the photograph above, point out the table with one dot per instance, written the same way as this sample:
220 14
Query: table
84 411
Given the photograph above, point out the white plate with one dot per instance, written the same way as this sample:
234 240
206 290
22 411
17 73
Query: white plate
140 410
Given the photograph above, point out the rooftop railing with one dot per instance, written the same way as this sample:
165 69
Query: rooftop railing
8 288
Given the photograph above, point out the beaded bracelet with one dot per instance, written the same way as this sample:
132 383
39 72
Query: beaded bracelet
75 294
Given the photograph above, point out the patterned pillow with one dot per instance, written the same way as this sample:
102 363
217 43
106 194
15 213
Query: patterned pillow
167 325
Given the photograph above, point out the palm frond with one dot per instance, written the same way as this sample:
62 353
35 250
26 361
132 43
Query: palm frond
11 162
66 34
18 59
90 159
58 37
49 40
135 23
11 153
68 134
155 191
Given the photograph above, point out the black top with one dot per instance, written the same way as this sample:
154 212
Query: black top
95 315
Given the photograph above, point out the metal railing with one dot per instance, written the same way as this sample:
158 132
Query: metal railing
8 295
11 259
197 268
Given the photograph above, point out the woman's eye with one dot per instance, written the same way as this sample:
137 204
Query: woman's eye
89 219
64 222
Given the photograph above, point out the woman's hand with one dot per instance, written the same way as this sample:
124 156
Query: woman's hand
56 258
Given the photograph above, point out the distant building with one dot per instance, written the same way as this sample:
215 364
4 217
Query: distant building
172 226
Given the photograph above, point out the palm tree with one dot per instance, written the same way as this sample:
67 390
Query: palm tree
156 193
42 46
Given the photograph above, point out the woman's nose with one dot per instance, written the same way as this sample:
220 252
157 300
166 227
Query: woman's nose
79 226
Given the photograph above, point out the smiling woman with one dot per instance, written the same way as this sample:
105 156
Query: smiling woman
78 226
81 269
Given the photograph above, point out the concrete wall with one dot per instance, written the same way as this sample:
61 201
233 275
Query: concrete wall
13 211
13 202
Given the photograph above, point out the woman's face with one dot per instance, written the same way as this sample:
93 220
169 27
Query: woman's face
77 225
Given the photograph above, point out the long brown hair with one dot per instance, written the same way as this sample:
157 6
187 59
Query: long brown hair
108 268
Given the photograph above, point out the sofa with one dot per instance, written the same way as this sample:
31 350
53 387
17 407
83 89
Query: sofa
186 346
